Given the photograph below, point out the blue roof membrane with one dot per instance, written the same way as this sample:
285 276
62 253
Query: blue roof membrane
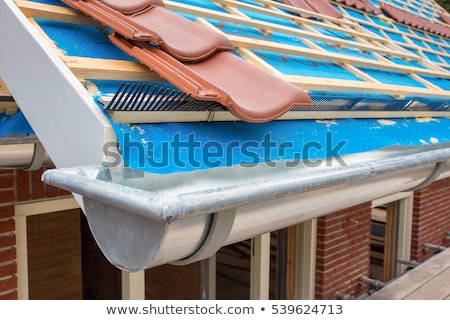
296 65
373 30
402 27
350 51
356 14
254 3
405 62
434 47
82 40
266 18
381 22
391 77
202 4
14 124
246 31
395 36
52 2
446 59
174 147
435 37
433 57
421 34
418 42
442 83
333 33
414 51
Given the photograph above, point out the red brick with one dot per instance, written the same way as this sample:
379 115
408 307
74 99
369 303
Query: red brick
12 295
8 269
6 181
7 225
7 240
7 255
431 217
23 185
64 193
8 284
6 212
37 186
51 191
343 249
7 196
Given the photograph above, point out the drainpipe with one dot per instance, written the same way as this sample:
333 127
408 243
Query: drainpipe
430 246
411 263
22 151
376 284
365 295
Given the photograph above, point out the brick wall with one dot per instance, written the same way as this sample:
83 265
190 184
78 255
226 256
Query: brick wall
8 266
343 251
431 218
16 186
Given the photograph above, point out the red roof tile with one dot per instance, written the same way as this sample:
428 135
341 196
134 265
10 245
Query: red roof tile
444 17
148 20
194 58
364 5
318 6
415 21
324 7
301 4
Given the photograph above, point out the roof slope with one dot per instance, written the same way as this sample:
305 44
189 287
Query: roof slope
360 64
378 123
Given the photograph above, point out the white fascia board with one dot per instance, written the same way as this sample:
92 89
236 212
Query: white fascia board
60 110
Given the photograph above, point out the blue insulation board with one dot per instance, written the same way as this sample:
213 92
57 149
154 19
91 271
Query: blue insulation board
175 147
401 28
297 65
14 124
356 14
180 147
269 19
82 41
381 22
202 4
392 77
395 36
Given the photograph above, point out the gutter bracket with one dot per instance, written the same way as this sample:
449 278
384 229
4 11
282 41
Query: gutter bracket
221 225
38 158
433 175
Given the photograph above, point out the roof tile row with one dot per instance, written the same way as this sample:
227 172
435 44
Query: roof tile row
364 5
415 21
194 58
444 18
318 6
